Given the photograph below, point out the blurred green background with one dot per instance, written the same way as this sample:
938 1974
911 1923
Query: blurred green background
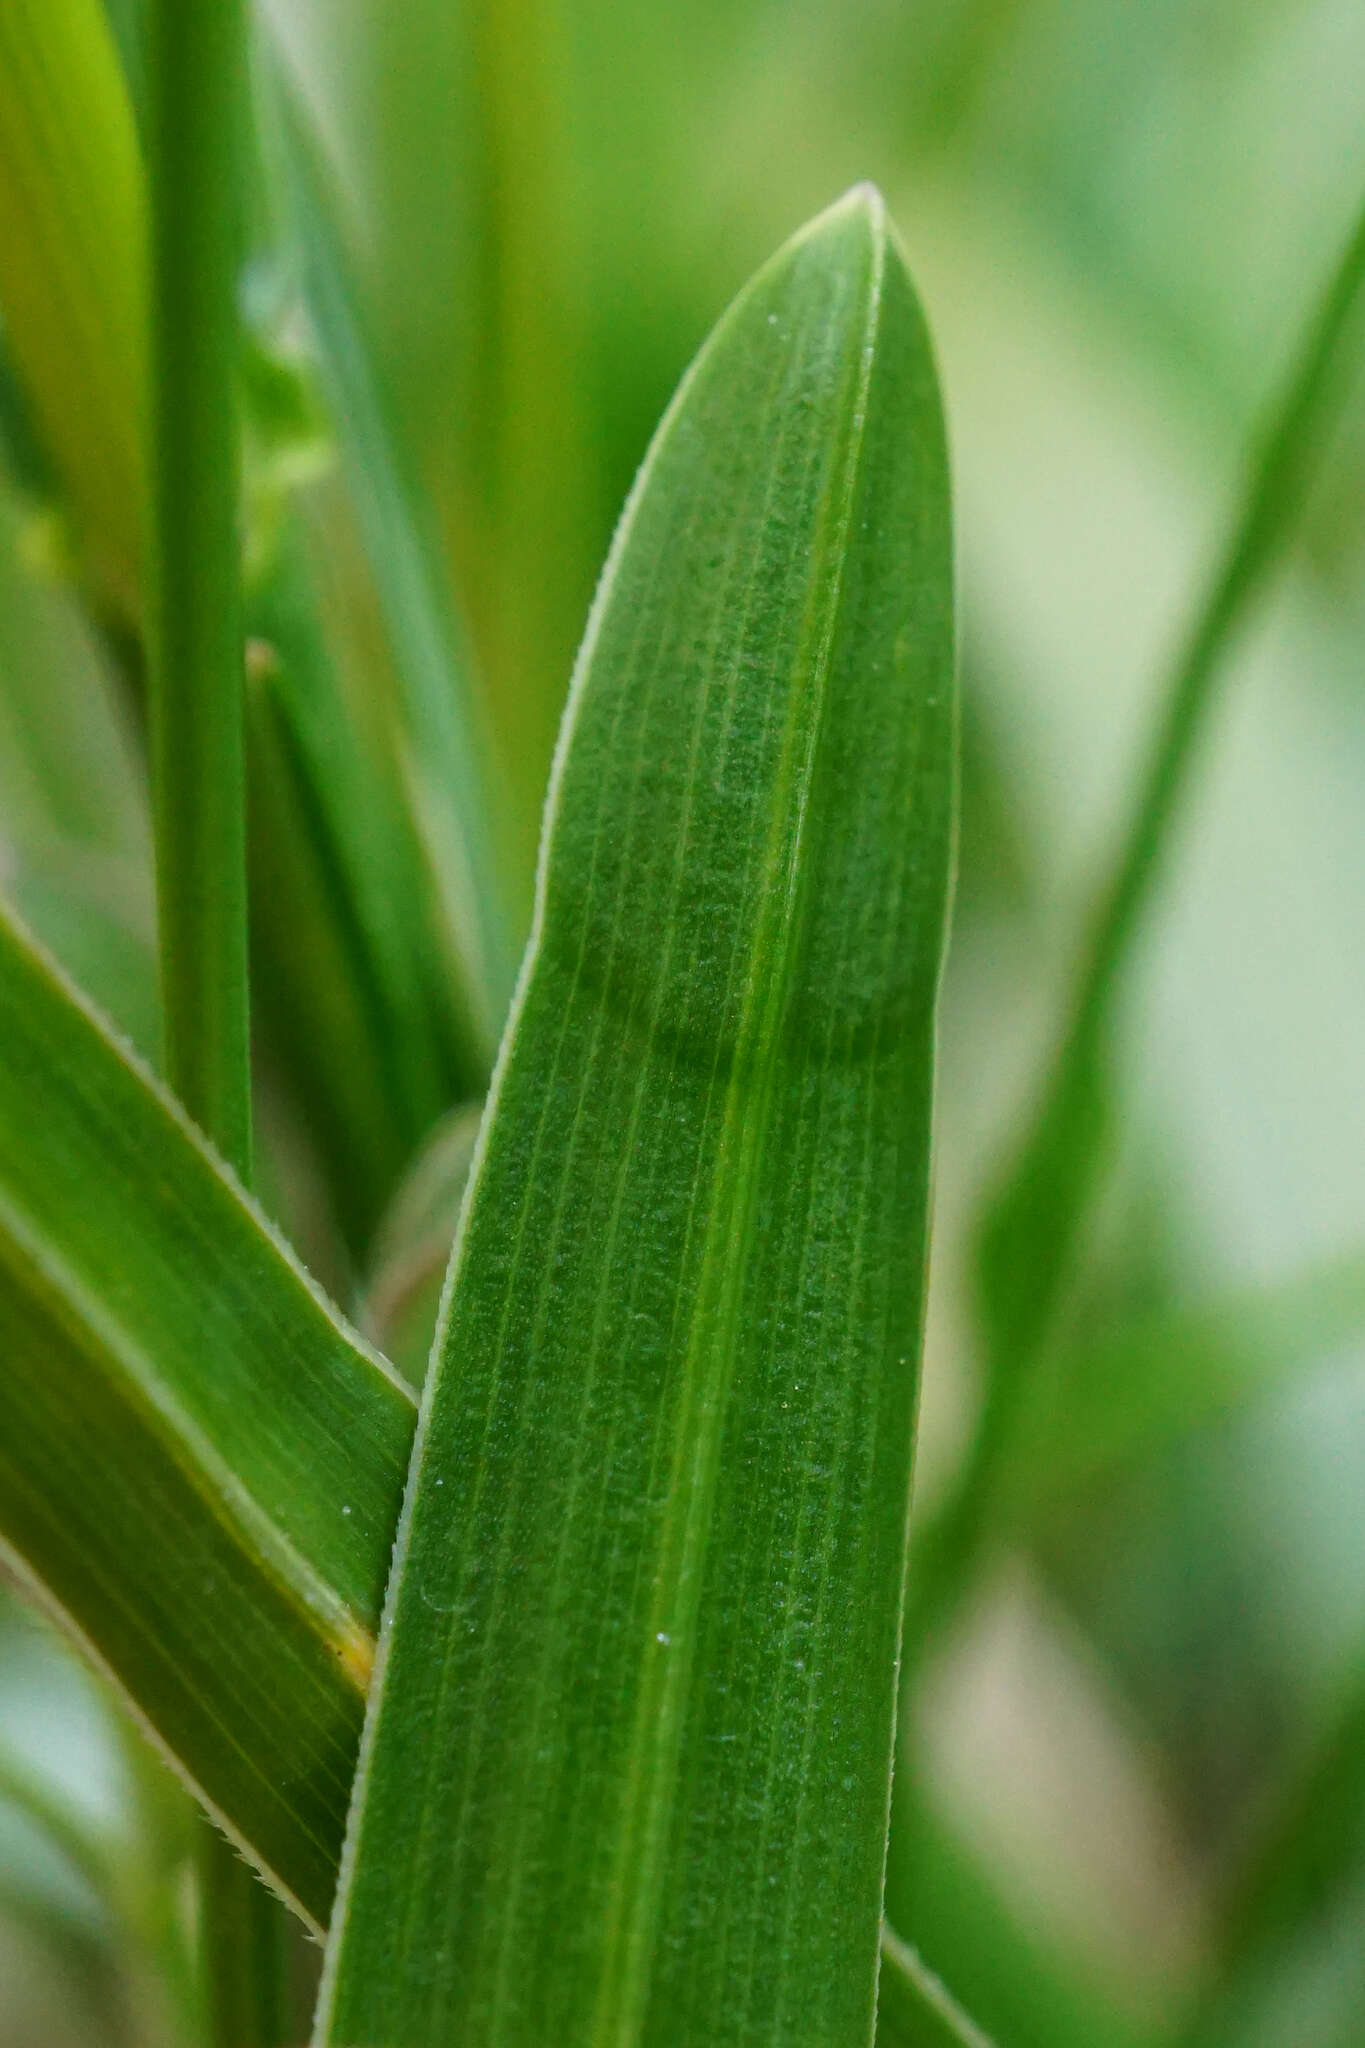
1119 213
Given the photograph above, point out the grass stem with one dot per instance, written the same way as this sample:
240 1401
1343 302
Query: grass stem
198 77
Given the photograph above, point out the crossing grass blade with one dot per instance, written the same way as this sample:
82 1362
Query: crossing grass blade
200 1467
634 1706
303 1431
1032 1234
915 2010
1093 1409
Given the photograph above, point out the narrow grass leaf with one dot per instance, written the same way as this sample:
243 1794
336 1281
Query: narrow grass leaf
1303 1866
1033 1231
459 797
634 1710
914 2010
200 1468
73 268
412 1248
379 1059
1033 1234
345 926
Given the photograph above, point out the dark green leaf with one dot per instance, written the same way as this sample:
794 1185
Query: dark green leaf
635 1705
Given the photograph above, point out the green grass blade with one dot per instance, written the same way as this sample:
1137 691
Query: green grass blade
633 1714
378 1060
1303 1862
199 1466
245 1962
460 798
1033 1231
914 2010
73 268
345 926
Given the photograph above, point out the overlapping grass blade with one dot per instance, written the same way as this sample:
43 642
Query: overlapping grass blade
914 2010
217 1527
634 1711
459 798
412 1247
378 1048
345 925
199 1466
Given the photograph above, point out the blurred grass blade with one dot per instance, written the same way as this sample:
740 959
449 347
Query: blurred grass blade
994 1941
344 923
199 1466
913 2009
1094 1409
375 1051
73 825
83 1844
1304 1865
634 1710
73 268
412 1247
1032 1233
245 1961
458 794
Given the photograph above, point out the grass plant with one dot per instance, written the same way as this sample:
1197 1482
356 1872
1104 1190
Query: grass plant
462 1318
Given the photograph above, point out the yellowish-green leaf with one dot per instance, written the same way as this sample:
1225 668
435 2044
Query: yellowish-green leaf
200 1467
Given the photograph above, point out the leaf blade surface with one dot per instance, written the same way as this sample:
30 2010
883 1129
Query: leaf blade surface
635 1705
200 1467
